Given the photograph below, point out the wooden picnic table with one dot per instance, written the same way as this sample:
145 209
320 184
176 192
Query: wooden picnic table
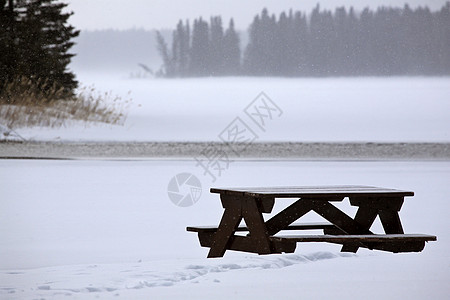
249 204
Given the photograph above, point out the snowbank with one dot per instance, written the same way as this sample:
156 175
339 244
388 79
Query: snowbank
88 229
313 110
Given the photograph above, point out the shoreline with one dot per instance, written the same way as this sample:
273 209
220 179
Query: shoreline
254 151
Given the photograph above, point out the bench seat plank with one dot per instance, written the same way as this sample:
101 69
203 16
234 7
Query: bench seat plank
309 191
303 226
357 238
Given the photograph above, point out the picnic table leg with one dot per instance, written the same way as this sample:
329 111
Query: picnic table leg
257 229
387 207
365 216
388 211
391 222
230 221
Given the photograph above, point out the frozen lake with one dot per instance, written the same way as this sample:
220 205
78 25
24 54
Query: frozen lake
89 229
395 109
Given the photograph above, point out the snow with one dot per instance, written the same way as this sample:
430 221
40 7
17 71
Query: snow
393 109
7 134
87 229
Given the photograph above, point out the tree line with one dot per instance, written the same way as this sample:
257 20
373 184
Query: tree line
387 41
34 43
208 50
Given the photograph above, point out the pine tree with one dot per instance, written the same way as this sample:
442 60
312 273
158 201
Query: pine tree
216 58
261 53
389 41
252 51
42 40
364 56
8 57
231 51
441 35
300 45
185 46
284 48
322 42
168 67
180 49
200 49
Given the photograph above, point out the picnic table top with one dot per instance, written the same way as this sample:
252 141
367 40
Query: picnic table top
313 191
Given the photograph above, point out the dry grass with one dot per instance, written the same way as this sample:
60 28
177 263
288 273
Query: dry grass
25 105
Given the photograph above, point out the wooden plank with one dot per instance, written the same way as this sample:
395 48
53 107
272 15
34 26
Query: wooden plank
338 218
300 226
255 222
357 238
390 221
265 205
247 244
398 246
393 202
311 191
365 216
230 221
287 216
392 242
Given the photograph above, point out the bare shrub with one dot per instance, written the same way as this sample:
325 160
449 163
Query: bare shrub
24 103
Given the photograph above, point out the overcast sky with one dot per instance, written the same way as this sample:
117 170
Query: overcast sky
159 14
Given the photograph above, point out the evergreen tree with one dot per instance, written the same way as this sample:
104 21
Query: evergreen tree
284 51
322 43
441 38
300 45
200 49
251 64
176 61
216 55
7 57
351 43
41 43
168 67
262 51
180 48
344 48
388 41
364 55
270 50
231 51
386 37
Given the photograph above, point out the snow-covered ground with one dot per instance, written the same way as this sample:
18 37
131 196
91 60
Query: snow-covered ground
107 229
88 229
397 109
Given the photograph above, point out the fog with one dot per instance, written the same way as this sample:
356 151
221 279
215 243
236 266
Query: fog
324 41
157 14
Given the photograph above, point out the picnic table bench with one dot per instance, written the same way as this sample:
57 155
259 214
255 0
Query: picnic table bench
249 204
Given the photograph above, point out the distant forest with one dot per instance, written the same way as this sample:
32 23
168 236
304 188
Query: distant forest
388 41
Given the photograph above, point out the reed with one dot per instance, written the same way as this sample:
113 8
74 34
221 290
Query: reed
27 103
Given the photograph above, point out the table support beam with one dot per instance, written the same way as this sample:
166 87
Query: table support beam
254 220
230 221
289 215
391 222
365 216
338 218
